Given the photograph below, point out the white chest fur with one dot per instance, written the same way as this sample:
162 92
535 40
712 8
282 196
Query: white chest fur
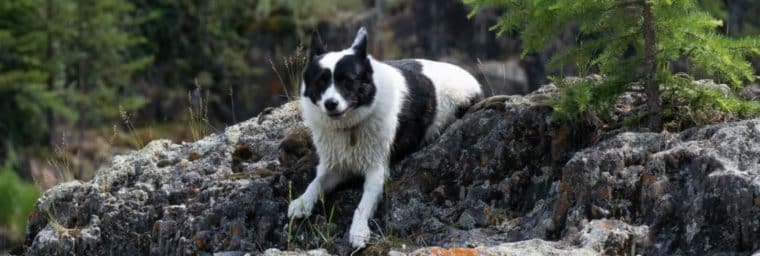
356 149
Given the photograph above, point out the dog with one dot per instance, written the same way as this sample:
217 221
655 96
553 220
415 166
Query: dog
365 114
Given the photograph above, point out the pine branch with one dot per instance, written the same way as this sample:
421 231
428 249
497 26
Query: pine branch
639 3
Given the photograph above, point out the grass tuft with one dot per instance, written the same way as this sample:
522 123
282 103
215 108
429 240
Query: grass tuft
320 230
292 66
198 112
61 162
127 120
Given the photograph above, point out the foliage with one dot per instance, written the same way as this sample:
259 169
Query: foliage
61 57
17 197
67 61
693 103
24 97
611 41
575 96
224 45
23 102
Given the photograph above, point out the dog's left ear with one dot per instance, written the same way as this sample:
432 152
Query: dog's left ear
360 43
316 47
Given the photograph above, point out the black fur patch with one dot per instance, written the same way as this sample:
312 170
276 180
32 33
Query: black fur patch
353 80
418 111
316 79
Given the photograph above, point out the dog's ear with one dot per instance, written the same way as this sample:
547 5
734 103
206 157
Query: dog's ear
360 43
316 47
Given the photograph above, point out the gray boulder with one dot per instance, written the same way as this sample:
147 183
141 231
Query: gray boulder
504 179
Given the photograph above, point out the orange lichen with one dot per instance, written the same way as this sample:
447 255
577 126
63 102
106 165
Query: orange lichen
559 143
234 229
647 178
438 251
562 205
605 192
200 242
193 156
156 226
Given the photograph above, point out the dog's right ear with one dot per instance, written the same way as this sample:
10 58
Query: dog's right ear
360 43
316 47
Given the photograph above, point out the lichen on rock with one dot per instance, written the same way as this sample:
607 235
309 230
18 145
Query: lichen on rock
506 178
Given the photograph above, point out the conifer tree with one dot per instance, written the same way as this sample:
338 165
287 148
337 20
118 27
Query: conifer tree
632 43
59 57
103 46
27 42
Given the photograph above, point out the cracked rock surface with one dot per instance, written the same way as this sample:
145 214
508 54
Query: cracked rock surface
504 179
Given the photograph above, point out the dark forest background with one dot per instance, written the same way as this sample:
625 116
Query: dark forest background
84 80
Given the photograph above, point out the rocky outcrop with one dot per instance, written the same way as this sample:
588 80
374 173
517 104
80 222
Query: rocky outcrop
506 178
223 192
698 191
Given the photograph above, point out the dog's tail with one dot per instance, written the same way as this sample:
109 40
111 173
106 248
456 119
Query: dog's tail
466 108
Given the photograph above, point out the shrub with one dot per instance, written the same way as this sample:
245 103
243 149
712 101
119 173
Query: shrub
632 43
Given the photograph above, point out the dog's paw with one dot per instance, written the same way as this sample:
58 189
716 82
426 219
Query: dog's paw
359 236
299 208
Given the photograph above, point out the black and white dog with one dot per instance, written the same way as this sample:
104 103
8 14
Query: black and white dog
365 114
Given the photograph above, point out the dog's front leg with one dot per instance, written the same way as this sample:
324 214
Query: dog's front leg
325 181
374 179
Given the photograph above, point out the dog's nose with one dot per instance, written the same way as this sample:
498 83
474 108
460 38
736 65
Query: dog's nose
330 104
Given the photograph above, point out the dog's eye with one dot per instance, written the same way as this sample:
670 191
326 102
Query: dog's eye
343 78
322 80
347 77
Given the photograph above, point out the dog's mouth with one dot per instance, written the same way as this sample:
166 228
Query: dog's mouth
336 114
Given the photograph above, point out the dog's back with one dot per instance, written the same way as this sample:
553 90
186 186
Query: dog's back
436 91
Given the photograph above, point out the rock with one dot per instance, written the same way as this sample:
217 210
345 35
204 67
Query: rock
597 237
694 189
276 252
504 179
506 77
175 198
751 92
711 84
232 253
533 247
495 164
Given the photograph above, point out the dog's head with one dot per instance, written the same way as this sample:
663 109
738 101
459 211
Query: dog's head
340 82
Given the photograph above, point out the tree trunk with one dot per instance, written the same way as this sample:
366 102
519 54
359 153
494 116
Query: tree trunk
80 123
49 114
378 25
736 11
651 87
